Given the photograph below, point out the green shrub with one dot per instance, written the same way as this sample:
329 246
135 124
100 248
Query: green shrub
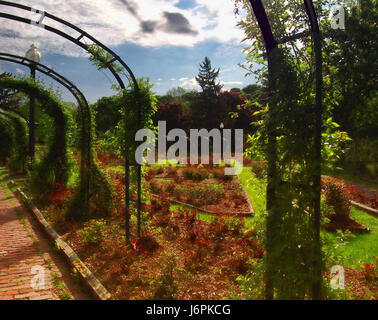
6 141
93 231
170 187
154 187
166 284
219 175
203 195
362 157
159 170
257 167
195 174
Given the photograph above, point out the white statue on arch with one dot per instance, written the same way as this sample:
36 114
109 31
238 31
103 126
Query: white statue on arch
32 54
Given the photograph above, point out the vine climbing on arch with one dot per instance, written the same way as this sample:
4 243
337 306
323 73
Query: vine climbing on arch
112 59
92 195
14 150
52 170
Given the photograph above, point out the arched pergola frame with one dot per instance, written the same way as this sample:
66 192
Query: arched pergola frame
82 104
271 44
114 58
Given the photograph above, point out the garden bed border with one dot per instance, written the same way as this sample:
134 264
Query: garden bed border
244 214
372 211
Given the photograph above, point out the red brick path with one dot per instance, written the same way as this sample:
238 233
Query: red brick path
23 246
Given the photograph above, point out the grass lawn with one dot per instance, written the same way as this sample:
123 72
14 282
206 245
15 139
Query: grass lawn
362 247
357 250
352 178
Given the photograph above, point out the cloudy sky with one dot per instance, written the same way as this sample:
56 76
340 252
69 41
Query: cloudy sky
164 40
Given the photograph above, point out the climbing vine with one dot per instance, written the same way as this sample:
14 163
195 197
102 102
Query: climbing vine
93 193
18 152
52 170
6 139
132 112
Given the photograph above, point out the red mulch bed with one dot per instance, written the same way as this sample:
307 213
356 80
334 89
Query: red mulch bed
360 284
346 224
209 257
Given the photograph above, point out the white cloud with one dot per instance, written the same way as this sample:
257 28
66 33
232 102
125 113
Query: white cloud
187 83
231 82
20 71
121 21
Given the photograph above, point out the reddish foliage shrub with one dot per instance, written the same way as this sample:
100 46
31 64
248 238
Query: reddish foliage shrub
336 197
171 171
371 271
161 204
109 159
61 196
150 174
147 243
154 187
360 197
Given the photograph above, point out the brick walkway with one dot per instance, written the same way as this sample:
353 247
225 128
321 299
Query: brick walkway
23 247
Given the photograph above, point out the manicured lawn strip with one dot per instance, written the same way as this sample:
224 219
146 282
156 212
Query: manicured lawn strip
6 179
256 191
361 248
357 250
358 180
352 178
163 179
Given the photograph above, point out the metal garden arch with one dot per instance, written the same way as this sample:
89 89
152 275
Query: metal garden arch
270 45
115 58
79 96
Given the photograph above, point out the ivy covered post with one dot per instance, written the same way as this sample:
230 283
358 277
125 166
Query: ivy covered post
317 159
292 139
138 111
139 107
272 54
34 56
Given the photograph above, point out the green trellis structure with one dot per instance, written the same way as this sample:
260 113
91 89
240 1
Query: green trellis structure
14 127
275 178
110 64
85 114
90 174
55 162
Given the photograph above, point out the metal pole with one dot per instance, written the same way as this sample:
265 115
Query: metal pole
139 168
316 290
270 45
32 120
127 199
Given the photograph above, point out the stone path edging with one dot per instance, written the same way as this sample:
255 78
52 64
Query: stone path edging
372 211
86 275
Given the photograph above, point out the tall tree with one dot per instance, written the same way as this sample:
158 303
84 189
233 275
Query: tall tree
207 79
205 110
107 113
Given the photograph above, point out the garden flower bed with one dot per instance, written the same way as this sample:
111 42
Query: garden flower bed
178 256
206 188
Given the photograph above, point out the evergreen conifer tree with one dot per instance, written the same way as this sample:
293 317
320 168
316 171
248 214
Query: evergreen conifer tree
206 79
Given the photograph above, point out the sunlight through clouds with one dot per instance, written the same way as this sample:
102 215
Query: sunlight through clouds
150 23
